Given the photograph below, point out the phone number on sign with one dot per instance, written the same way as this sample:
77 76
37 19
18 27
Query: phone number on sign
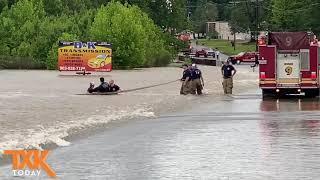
70 68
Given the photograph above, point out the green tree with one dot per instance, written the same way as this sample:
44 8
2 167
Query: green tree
159 12
3 4
239 20
19 24
32 28
53 7
204 12
313 14
134 37
178 15
289 15
53 53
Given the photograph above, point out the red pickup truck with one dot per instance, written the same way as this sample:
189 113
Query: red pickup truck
243 57
205 52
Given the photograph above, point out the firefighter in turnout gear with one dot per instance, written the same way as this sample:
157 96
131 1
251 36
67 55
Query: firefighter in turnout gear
197 80
186 80
228 71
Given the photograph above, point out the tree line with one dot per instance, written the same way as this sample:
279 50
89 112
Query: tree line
31 29
252 15
140 30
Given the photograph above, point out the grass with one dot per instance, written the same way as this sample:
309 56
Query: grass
225 47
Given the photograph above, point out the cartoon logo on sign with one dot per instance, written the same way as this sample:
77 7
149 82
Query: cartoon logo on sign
288 70
99 61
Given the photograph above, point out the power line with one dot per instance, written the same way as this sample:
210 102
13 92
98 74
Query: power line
294 10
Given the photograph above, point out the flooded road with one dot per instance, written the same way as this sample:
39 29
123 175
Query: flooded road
238 137
41 107
156 133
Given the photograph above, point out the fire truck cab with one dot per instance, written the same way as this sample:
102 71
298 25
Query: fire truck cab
289 64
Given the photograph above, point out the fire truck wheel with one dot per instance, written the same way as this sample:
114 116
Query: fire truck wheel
311 93
266 93
238 62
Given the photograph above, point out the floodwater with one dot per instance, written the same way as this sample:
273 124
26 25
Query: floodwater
237 137
243 138
42 107
216 137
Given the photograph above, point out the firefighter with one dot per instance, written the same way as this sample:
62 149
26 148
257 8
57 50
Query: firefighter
218 54
256 61
186 80
228 71
197 80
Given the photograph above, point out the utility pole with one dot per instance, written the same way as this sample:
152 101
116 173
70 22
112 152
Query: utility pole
234 32
188 10
257 24
234 41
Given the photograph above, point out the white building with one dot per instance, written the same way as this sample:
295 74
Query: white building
224 31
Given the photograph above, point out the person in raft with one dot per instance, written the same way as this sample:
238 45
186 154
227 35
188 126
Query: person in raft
103 87
113 87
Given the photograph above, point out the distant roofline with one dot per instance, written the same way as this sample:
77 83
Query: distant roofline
217 22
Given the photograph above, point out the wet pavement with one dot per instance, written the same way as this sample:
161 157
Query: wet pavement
238 137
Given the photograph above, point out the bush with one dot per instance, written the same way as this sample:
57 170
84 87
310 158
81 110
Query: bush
163 58
213 35
175 43
15 62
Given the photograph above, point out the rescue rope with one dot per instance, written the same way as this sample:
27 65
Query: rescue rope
146 87
135 89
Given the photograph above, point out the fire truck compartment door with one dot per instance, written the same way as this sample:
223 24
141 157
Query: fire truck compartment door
288 69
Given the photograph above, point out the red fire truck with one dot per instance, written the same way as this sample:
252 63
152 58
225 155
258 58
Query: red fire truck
289 64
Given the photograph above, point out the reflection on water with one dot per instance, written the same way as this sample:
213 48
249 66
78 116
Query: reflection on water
297 116
290 130
294 104
311 127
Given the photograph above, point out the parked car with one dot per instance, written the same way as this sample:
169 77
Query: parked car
205 52
243 57
211 52
201 52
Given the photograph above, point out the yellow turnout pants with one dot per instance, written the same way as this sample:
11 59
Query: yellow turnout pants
186 87
197 86
227 85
